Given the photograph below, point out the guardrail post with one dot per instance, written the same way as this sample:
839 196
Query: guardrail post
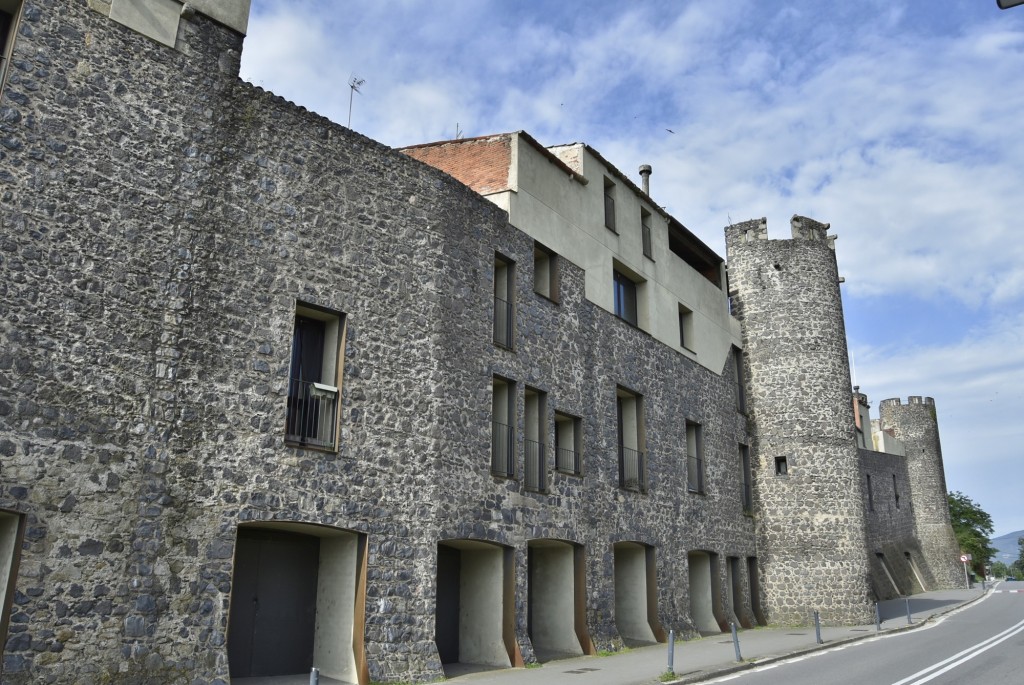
817 627
878 617
909 620
736 642
671 652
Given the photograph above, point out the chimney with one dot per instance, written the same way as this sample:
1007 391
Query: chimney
645 173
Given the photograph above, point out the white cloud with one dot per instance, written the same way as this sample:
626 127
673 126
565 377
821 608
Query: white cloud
897 122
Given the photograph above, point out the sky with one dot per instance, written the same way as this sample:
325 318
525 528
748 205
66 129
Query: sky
900 123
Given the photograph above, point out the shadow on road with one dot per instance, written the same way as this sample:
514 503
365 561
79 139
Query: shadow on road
897 608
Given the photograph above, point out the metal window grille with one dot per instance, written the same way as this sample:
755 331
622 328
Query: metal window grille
311 413
632 469
536 467
502 322
695 473
502 455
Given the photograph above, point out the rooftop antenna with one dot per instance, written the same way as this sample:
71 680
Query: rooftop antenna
459 134
354 83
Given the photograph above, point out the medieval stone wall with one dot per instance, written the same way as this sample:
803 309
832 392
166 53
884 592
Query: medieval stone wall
811 523
160 222
916 424
891 529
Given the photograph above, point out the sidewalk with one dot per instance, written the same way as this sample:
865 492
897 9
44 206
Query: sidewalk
702 659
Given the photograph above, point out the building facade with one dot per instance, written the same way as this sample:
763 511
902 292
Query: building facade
275 396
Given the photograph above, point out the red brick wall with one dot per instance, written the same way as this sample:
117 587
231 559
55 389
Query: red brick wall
481 163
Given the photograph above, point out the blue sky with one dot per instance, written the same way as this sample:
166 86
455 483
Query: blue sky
900 123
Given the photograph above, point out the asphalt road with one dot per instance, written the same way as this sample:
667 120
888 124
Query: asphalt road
981 643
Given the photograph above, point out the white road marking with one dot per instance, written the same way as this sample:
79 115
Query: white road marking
965 655
839 648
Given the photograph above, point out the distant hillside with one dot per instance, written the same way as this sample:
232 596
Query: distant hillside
1007 546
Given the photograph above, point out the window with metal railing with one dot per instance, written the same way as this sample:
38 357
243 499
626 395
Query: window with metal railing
746 481
535 440
632 460
313 392
694 458
502 434
503 301
568 444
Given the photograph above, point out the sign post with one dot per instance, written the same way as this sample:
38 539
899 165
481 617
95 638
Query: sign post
965 558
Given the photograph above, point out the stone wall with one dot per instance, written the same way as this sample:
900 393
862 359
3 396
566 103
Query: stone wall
811 524
916 424
161 220
891 529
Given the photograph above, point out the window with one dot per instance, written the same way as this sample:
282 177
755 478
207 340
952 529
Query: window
781 466
317 341
740 380
685 328
9 13
535 440
645 233
502 416
568 444
632 463
609 205
504 282
545 272
625 297
871 495
895 491
746 489
694 458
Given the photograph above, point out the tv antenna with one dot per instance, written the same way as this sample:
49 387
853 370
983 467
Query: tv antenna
355 83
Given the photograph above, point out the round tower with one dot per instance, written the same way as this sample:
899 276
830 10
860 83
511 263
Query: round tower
808 501
916 425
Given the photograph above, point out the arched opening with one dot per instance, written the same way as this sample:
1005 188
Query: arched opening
702 595
10 546
475 606
556 600
298 598
636 594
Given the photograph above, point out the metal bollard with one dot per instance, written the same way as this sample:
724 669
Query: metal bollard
314 676
671 652
736 642
817 627
878 618
909 621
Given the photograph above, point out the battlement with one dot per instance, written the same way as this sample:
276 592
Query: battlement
804 228
801 227
913 399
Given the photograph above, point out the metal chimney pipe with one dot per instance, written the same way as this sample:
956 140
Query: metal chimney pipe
645 173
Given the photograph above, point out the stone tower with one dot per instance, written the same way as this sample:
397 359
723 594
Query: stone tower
915 424
809 505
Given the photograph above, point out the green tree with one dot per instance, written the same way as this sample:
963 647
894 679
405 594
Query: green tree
1018 566
972 527
1000 570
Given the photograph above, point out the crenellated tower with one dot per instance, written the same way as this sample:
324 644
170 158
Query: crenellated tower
916 425
809 506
